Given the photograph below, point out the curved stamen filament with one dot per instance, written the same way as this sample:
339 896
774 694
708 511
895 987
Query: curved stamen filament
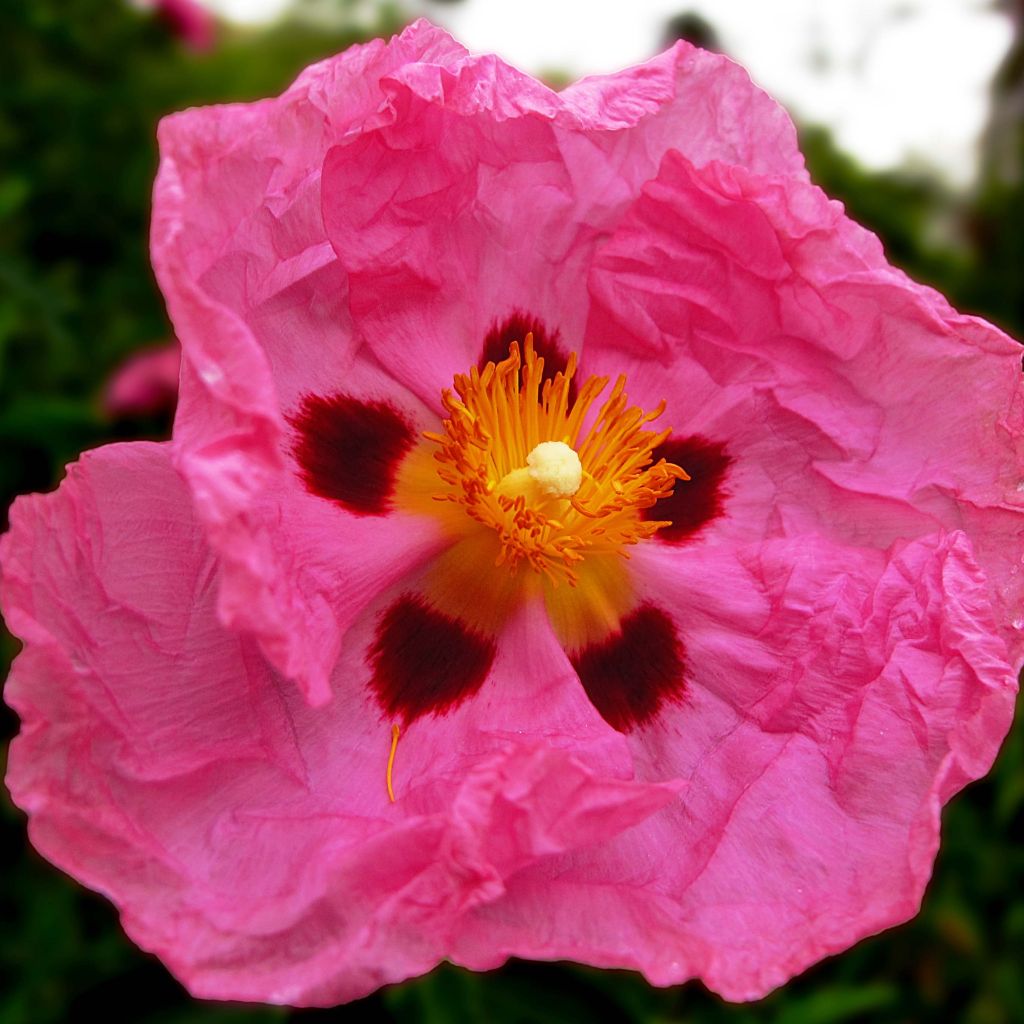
391 762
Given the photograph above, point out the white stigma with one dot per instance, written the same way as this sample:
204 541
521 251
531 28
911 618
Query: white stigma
555 468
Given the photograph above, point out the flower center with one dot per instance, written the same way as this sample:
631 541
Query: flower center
555 481
552 469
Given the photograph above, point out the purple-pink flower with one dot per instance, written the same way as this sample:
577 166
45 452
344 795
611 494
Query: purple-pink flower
576 542
146 383
189 20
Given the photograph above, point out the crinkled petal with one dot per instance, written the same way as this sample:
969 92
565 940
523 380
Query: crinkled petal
259 301
772 323
246 837
703 105
817 751
423 210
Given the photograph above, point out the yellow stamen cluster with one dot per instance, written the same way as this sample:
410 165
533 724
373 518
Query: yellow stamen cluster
496 419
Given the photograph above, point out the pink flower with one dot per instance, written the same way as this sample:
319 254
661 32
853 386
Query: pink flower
724 756
146 383
189 20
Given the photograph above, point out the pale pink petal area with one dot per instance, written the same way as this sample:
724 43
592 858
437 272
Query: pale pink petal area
246 837
146 383
854 402
425 211
238 241
259 301
305 572
817 751
298 568
694 102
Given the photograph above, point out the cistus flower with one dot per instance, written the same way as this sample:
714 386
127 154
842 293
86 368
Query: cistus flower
576 542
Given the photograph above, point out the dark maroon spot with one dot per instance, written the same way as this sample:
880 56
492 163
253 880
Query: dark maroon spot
698 501
631 674
349 451
546 343
425 662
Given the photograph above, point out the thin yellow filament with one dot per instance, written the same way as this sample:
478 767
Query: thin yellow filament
391 761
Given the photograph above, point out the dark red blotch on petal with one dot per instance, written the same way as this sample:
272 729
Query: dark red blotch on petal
629 676
546 343
348 450
696 502
425 662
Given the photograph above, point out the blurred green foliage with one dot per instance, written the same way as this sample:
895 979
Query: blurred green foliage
84 83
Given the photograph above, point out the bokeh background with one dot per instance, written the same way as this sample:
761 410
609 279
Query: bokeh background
912 113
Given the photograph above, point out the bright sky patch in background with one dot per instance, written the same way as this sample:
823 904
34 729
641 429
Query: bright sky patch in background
896 80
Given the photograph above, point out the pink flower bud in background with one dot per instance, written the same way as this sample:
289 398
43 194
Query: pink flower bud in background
145 384
189 20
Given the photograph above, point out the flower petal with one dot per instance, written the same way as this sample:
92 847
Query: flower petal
698 103
423 210
246 837
284 282
771 324
796 837
260 304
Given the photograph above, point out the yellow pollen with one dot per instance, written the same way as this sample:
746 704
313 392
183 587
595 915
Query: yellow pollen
554 482
391 762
